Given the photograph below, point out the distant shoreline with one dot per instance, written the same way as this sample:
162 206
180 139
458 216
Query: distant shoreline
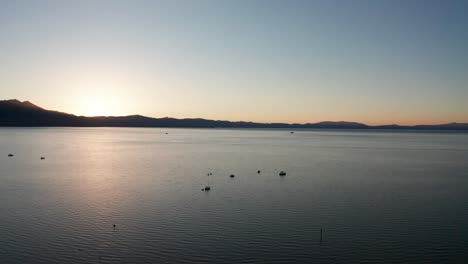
14 113
402 130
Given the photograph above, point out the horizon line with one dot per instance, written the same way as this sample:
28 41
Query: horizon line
237 121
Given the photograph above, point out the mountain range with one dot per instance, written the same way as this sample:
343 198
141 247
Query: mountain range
26 114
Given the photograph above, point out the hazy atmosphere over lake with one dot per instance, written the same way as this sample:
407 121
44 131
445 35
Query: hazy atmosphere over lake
375 62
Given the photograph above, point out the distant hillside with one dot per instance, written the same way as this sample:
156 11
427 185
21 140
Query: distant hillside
17 113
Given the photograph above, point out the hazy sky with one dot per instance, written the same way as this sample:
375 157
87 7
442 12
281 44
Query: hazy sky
270 61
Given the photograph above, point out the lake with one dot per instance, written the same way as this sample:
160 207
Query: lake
377 196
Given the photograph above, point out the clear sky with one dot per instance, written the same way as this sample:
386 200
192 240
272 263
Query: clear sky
370 61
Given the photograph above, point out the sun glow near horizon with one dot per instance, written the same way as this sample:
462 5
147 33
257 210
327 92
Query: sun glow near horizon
94 101
95 92
97 107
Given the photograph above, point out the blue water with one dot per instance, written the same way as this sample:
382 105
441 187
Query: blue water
395 197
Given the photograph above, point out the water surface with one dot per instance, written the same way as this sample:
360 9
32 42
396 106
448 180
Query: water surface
396 197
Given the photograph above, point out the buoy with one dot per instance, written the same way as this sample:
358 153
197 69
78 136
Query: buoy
114 225
232 175
282 173
292 132
258 171
320 235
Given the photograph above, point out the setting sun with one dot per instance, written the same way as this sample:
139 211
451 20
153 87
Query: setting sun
99 105
97 92
96 108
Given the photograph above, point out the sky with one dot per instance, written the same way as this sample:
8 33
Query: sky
375 62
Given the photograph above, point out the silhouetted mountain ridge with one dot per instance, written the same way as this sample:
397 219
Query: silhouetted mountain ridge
26 114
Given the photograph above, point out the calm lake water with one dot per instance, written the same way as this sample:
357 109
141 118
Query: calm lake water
395 197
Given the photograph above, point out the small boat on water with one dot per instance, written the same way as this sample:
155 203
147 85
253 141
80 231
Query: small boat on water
282 173
207 188
10 155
